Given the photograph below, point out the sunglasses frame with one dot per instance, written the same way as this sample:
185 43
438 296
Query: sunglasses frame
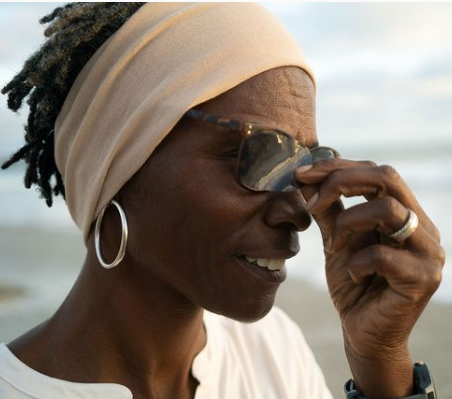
246 129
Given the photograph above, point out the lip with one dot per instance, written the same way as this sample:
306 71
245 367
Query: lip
264 274
274 255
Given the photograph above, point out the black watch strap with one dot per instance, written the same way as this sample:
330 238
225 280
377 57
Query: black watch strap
423 380
423 383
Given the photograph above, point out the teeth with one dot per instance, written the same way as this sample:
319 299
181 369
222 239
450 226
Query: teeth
262 262
272 264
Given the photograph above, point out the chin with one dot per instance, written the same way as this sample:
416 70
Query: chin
248 311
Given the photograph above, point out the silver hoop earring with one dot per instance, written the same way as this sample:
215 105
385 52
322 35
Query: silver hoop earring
124 235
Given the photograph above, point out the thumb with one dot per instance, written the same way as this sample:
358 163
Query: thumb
324 220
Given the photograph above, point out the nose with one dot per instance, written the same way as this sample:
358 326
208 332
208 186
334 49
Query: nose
287 210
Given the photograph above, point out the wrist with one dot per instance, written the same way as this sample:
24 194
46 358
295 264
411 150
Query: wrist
387 374
424 387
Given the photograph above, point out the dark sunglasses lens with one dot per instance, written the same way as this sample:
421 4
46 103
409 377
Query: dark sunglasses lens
319 153
268 160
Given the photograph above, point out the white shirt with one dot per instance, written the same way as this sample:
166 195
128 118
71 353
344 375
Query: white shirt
268 359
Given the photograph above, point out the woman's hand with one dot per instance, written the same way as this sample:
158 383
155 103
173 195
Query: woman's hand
378 289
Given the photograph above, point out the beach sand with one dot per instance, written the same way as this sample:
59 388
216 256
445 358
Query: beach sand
37 269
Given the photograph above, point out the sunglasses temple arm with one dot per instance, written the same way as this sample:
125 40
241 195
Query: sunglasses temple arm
216 120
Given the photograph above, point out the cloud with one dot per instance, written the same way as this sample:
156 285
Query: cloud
341 38
384 69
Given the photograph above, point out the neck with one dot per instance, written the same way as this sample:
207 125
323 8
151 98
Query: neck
119 326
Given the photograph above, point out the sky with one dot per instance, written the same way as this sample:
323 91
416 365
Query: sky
384 70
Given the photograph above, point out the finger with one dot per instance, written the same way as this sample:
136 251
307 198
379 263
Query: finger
310 192
406 273
369 181
316 172
384 214
324 220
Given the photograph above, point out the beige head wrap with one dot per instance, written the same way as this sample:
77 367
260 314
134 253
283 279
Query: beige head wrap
167 58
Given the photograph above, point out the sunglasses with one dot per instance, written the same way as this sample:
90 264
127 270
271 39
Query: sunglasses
267 158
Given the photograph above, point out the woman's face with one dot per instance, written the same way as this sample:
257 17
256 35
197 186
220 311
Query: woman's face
189 218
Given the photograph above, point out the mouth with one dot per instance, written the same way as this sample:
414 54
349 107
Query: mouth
269 264
269 270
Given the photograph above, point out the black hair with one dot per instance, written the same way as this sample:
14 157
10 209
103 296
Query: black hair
76 31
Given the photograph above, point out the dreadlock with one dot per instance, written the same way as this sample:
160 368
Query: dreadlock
76 31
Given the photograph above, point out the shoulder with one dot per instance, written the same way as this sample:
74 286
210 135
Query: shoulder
8 373
19 381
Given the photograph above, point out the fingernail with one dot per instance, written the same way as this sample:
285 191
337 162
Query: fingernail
303 169
304 199
329 245
312 201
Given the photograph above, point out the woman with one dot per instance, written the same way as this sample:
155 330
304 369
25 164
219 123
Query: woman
183 139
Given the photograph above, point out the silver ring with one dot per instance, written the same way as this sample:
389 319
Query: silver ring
124 235
407 229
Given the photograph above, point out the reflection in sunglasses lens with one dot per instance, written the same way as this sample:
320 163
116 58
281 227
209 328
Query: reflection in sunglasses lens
268 159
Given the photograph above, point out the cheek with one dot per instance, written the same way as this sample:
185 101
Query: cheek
185 230
214 203
192 211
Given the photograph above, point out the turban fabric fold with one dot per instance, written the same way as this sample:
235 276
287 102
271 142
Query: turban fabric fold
167 58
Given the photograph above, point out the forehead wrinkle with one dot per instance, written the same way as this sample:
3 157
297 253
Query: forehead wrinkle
301 129
296 118
281 98
282 88
286 95
296 102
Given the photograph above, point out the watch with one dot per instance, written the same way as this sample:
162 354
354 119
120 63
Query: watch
423 385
